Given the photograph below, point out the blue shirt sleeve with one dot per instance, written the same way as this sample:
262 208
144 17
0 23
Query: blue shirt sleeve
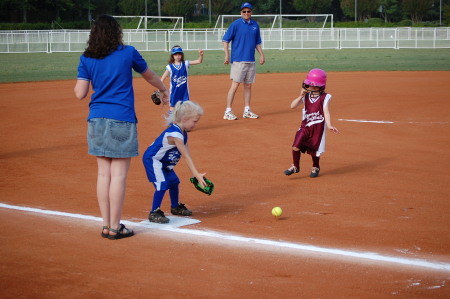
230 33
139 64
83 73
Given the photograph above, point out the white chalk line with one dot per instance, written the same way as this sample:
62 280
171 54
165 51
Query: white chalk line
368 121
372 256
389 121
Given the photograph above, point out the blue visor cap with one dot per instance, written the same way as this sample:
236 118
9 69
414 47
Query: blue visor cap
177 50
246 5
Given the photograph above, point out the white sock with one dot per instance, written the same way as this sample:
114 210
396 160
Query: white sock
227 110
247 108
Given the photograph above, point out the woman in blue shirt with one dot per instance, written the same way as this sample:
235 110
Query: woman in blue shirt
107 64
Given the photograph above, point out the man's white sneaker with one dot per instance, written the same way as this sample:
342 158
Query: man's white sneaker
229 116
249 114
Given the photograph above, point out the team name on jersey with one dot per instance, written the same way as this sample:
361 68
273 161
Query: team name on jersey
179 80
314 118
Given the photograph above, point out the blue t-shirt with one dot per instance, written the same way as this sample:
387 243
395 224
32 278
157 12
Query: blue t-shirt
244 37
112 83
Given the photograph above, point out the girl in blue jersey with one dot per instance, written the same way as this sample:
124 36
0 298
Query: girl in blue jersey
165 152
177 69
108 64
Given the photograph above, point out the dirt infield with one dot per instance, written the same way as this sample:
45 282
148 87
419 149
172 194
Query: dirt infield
384 188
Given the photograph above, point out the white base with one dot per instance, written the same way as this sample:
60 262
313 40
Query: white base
175 221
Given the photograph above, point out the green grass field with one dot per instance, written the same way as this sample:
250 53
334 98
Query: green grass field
61 66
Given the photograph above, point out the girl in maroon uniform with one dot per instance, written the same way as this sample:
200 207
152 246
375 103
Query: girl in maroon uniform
310 137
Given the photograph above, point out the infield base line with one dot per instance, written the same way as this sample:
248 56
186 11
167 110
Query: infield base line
442 266
392 122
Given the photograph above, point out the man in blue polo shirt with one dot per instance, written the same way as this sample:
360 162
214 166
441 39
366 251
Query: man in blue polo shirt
245 36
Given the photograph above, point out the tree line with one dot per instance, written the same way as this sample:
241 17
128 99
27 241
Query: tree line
34 11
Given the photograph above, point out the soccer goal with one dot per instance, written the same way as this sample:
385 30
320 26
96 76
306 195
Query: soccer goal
150 22
319 21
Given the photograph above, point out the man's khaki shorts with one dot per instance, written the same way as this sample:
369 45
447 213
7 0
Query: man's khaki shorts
243 72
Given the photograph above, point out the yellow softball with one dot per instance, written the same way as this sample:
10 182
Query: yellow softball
277 211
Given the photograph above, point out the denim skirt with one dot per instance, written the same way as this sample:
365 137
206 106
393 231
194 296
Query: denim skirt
112 138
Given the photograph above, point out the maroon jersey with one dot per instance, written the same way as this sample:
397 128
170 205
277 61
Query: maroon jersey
310 137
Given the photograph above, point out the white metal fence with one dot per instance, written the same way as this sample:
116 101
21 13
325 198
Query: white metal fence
282 39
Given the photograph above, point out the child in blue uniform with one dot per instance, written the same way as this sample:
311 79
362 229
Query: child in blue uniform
177 69
165 152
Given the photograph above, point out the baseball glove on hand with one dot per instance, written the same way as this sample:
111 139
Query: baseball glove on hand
209 185
156 97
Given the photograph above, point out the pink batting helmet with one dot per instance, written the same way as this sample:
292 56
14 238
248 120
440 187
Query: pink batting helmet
316 77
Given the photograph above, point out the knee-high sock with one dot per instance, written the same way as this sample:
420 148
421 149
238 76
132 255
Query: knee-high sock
174 191
315 161
157 199
296 158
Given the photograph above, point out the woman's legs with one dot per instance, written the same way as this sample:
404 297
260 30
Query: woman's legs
119 173
103 184
111 186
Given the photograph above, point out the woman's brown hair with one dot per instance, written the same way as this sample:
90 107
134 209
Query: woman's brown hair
105 37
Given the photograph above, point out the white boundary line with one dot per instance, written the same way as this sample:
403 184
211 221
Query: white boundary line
368 121
434 265
391 122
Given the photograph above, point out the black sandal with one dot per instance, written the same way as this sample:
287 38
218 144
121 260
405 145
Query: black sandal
103 234
119 233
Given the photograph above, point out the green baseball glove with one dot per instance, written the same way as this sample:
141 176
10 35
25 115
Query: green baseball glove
209 185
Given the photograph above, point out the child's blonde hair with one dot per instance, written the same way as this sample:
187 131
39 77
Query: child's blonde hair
182 109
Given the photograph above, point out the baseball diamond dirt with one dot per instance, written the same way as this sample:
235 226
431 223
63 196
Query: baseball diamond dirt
374 224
